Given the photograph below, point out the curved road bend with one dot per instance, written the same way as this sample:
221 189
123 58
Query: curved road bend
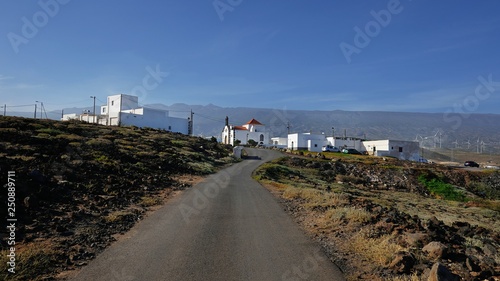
226 228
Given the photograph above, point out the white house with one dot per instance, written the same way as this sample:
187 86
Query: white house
279 142
406 150
307 141
252 130
125 110
346 143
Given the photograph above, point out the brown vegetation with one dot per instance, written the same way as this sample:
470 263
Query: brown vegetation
387 219
79 184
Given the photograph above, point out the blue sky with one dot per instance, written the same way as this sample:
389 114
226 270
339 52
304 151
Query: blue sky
426 57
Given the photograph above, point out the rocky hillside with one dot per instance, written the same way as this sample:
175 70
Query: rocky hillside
388 219
77 185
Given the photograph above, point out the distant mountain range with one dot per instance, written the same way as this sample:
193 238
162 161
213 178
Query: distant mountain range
468 132
456 131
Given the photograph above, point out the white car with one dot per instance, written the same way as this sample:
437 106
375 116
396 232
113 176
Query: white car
330 148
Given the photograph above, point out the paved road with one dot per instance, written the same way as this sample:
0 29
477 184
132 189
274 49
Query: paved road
225 228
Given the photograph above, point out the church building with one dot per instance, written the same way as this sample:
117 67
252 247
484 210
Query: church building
252 130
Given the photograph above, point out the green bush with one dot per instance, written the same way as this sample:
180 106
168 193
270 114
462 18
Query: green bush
52 132
275 171
441 189
251 142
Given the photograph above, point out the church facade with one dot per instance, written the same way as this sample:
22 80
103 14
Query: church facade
252 130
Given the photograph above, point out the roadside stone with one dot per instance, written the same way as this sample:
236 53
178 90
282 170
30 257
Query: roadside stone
440 273
435 250
403 262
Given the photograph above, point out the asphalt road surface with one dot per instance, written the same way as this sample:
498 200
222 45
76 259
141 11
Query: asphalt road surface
228 227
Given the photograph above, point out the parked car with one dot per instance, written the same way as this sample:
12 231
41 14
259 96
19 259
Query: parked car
352 151
471 164
330 148
423 160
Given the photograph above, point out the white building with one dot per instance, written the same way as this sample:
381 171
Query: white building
307 141
125 110
346 143
252 130
279 142
406 150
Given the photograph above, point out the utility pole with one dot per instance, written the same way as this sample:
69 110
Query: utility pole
190 124
120 112
5 110
93 97
333 132
42 109
35 110
288 127
62 114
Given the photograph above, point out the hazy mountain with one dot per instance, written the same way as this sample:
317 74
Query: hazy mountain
456 130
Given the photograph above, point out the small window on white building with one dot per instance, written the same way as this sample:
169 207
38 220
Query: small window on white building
170 128
103 110
261 137
315 145
400 149
112 102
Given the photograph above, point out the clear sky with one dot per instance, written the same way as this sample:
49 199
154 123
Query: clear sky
408 55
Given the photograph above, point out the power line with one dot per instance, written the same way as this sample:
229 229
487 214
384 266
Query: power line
18 105
210 118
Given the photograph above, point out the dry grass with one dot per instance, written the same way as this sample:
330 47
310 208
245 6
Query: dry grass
316 198
32 262
378 250
350 214
148 201
118 217
413 277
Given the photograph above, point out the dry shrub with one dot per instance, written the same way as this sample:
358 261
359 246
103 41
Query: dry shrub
72 137
292 193
315 197
378 250
147 201
349 213
413 277
119 217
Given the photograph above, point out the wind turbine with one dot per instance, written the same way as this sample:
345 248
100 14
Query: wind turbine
468 144
483 144
455 143
435 138
419 141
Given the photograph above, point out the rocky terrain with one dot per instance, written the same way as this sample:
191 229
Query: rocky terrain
78 186
387 219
